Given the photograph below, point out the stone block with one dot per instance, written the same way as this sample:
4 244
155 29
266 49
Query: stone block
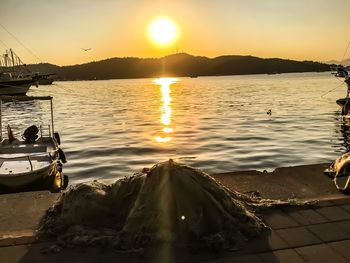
298 237
320 253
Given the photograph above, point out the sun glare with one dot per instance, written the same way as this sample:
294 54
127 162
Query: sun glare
162 31
165 108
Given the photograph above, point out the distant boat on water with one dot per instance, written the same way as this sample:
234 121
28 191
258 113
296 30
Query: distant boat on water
45 79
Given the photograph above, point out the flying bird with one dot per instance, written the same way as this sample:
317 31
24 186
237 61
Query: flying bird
85 49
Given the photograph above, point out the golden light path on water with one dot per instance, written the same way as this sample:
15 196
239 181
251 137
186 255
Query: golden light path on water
165 228
165 109
218 124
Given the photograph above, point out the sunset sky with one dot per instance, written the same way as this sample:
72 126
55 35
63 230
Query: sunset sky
56 30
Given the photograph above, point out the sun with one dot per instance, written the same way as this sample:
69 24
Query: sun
162 30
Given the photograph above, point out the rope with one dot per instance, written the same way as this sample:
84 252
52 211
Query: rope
3 43
346 50
68 90
345 108
31 52
331 90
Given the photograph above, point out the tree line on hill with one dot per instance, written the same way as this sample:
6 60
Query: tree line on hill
179 65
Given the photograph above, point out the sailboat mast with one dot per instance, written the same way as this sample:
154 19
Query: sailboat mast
13 61
5 58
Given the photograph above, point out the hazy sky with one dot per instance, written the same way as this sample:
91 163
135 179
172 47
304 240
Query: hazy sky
56 30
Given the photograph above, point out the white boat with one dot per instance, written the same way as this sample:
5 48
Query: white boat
35 161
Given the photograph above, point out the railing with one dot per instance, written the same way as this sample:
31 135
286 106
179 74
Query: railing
41 129
26 98
52 156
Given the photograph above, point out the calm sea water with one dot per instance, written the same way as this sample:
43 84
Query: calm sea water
110 129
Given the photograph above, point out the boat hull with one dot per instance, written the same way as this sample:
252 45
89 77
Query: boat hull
49 177
15 87
45 81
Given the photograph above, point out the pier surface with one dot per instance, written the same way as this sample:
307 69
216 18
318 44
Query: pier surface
302 182
318 233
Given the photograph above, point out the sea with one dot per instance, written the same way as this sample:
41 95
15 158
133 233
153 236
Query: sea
113 128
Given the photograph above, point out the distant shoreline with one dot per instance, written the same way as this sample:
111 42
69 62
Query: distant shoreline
178 65
155 77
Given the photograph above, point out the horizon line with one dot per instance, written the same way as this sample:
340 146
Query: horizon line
184 53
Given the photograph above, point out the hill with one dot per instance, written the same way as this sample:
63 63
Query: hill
44 68
345 62
179 65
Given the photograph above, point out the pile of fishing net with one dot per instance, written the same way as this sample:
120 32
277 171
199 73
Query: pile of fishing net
170 202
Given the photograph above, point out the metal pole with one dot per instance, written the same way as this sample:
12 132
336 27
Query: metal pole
13 61
5 58
53 129
0 120
41 132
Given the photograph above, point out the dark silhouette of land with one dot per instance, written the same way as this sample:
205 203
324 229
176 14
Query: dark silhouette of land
345 62
179 65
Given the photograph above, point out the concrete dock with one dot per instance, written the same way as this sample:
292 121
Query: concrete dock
318 233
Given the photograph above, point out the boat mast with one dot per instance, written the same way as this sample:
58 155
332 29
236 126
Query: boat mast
13 61
5 58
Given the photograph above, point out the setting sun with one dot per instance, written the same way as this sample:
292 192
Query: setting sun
162 30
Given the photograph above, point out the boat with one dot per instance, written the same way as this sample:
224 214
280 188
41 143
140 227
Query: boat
341 72
15 77
10 85
33 162
45 79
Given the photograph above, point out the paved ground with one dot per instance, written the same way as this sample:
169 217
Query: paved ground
302 182
319 233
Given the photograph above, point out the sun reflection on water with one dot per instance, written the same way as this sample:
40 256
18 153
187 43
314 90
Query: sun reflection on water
165 108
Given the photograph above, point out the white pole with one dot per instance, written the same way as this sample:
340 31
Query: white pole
0 120
53 129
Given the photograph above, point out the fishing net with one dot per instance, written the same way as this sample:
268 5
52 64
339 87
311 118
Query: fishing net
170 202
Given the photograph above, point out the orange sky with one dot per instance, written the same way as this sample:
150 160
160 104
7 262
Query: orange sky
55 31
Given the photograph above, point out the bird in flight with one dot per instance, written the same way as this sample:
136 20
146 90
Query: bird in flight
85 49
